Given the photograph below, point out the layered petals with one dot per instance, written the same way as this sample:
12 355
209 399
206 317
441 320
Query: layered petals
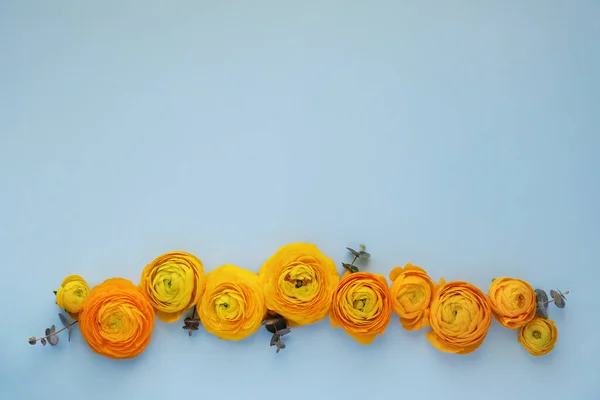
460 317
538 336
233 304
362 306
116 319
412 292
513 302
298 283
173 283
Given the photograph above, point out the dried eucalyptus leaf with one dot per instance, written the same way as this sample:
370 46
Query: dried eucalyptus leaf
559 299
354 269
363 254
48 331
53 339
274 339
354 252
64 320
280 324
346 265
270 321
283 332
541 303
55 292
186 327
281 345
69 335
52 329
32 340
43 341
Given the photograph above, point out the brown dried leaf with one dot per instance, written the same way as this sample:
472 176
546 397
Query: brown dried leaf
32 340
53 339
43 341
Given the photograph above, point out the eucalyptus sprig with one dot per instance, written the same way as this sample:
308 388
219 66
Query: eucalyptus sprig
51 333
558 298
361 253
192 323
277 325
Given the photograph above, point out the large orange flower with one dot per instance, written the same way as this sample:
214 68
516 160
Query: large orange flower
460 317
233 304
117 319
412 292
298 283
362 306
512 301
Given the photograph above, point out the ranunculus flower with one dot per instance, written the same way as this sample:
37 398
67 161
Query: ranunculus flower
71 294
116 319
412 292
512 301
298 283
460 317
362 306
233 304
173 283
538 336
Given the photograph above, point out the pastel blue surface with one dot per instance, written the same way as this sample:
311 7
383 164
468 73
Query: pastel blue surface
463 137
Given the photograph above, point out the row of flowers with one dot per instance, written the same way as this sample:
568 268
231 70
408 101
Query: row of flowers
297 286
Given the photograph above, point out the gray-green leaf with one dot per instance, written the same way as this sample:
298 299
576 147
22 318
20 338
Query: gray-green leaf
363 254
53 340
354 269
52 329
541 299
354 252
48 331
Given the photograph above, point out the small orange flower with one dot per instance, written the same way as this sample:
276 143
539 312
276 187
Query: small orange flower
512 301
116 319
460 317
412 292
362 306
538 336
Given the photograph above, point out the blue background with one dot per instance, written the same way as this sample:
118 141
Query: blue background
460 136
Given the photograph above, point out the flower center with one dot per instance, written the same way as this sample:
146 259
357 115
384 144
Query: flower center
537 334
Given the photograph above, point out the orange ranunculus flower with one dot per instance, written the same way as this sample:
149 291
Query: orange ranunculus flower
71 295
362 305
173 283
460 317
538 336
233 304
512 301
412 292
298 283
116 319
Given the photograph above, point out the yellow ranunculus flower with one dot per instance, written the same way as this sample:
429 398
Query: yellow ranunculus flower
173 283
362 306
233 304
298 283
460 317
513 302
538 336
71 294
412 292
